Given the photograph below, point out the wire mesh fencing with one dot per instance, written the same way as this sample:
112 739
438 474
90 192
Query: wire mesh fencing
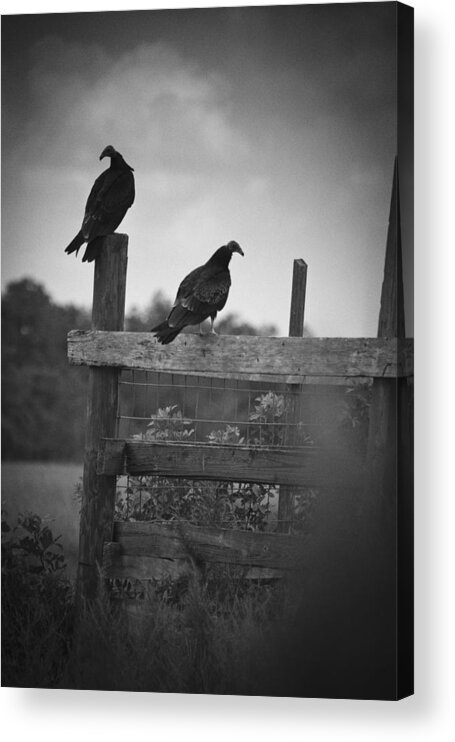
170 408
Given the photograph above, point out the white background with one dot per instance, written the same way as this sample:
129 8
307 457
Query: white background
55 715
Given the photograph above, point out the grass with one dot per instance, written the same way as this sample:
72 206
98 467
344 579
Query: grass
198 635
206 640
204 633
329 631
204 643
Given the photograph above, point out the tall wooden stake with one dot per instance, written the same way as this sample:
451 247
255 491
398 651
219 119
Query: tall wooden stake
98 497
382 438
388 506
296 320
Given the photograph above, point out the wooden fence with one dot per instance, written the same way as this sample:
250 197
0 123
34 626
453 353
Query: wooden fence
131 549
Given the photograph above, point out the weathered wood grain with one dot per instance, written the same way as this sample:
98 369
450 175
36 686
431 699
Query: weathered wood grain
98 497
387 512
124 566
138 542
153 568
295 467
296 324
288 360
112 456
298 294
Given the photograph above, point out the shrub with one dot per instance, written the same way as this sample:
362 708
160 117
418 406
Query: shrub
244 506
37 611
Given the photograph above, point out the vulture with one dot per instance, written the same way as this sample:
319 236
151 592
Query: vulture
109 200
202 294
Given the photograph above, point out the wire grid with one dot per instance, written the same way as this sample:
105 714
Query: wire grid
176 407
277 415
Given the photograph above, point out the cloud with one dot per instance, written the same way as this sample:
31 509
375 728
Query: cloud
292 160
157 107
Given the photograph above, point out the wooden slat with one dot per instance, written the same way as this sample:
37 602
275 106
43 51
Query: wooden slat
297 467
137 542
121 566
245 357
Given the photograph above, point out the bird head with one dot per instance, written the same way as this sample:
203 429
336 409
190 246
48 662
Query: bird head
223 255
108 151
234 246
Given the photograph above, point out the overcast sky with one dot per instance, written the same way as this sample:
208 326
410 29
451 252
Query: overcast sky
273 126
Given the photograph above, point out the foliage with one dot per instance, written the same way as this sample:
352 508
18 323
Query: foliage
191 635
226 324
268 413
230 435
143 320
227 504
245 506
354 416
169 425
30 543
44 398
37 611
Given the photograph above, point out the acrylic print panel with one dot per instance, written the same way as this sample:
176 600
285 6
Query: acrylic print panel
244 521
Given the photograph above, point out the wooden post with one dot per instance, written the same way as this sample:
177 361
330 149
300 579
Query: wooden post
386 515
382 437
98 498
296 320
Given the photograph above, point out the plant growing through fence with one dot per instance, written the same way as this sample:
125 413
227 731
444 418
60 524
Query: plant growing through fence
245 506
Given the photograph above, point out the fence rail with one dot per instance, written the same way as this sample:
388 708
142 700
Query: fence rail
252 358
139 547
298 467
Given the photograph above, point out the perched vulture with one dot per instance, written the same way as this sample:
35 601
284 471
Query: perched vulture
202 294
109 200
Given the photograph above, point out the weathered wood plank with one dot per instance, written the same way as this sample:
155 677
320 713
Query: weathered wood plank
295 467
245 357
123 566
175 541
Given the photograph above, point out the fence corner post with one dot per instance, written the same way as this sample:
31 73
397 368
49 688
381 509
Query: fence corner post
98 496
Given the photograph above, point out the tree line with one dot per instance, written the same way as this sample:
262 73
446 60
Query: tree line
44 398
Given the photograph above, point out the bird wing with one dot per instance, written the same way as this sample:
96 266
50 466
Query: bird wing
200 295
111 195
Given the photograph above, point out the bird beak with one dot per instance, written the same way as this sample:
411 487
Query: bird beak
107 152
240 251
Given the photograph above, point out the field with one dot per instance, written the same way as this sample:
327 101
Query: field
46 488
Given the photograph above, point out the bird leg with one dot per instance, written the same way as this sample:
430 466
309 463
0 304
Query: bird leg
212 330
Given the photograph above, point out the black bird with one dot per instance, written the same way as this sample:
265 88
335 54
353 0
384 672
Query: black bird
202 294
109 200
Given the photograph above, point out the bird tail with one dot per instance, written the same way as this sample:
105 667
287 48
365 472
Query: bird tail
165 334
92 250
75 244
